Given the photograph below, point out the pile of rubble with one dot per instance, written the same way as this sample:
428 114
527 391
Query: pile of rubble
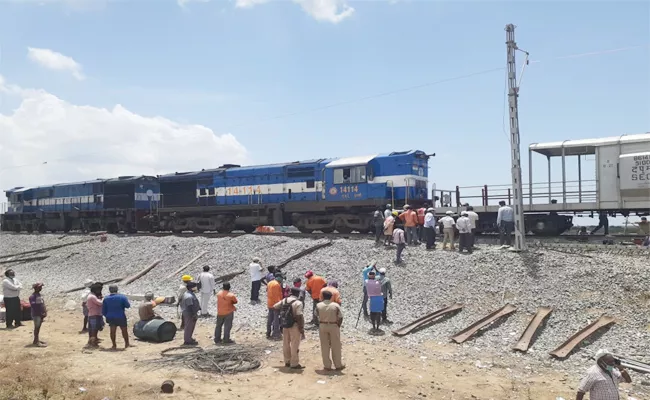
580 289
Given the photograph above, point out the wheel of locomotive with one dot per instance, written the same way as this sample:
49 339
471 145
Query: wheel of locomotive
17 228
111 228
198 230
42 228
343 229
249 229
364 231
305 230
53 231
177 231
327 230
30 228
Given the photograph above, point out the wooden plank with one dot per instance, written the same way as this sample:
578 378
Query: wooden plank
108 282
22 260
184 267
566 347
303 253
227 277
405 330
533 325
44 249
140 274
471 330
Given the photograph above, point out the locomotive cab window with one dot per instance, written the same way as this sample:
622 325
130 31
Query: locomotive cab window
350 175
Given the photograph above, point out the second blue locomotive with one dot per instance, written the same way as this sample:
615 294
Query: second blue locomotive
326 195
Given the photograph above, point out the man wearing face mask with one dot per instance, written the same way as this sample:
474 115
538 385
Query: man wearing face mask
601 380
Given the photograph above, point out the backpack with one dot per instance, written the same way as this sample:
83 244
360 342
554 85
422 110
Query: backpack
286 315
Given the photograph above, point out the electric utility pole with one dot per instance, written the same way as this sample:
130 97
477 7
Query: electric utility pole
513 93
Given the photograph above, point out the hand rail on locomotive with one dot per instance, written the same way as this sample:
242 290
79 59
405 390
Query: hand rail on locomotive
566 192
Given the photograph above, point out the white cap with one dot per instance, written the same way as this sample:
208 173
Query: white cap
256 259
406 206
463 213
449 213
602 353
388 206
382 270
431 209
88 283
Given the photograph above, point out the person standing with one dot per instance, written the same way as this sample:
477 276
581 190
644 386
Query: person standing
84 306
386 290
400 241
330 316
448 224
410 220
421 212
603 222
314 285
333 288
208 288
256 280
373 287
190 308
506 223
181 292
430 228
644 226
473 219
225 314
601 380
11 288
389 225
297 283
464 226
95 318
273 296
113 308
364 277
378 223
388 211
293 328
39 312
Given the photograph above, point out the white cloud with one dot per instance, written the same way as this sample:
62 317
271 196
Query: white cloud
55 61
248 3
86 142
333 11
182 3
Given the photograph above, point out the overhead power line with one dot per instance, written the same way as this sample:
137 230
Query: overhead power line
428 84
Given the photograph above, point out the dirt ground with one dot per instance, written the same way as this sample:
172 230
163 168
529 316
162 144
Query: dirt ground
66 370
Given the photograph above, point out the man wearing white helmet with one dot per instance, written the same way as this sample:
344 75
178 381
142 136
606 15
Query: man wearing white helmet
601 380
448 224
430 228
464 226
389 211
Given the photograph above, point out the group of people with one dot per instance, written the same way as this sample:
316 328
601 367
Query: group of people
412 227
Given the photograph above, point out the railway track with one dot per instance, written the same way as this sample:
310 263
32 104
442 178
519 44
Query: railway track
485 238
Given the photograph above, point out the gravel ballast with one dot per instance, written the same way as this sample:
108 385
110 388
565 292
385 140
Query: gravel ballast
580 289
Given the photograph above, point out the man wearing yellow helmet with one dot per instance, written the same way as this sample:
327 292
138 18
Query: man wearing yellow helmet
181 292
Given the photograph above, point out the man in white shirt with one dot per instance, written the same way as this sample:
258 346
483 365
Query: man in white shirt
256 280
464 226
448 224
505 223
473 218
388 212
11 291
430 228
208 288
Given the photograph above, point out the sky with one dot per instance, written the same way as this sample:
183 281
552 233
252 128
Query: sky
105 88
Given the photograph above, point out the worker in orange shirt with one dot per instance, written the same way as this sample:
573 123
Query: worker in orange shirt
274 295
332 287
314 285
225 314
410 220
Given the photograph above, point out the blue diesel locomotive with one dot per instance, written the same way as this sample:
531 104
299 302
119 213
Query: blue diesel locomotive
122 204
325 195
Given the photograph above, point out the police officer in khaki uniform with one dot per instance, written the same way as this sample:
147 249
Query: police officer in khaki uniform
331 318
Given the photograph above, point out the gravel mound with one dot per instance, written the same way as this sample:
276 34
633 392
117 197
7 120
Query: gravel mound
579 288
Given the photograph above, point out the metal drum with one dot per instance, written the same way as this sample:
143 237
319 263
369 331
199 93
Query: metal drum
156 330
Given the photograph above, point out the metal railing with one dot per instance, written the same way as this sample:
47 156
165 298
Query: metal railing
542 193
